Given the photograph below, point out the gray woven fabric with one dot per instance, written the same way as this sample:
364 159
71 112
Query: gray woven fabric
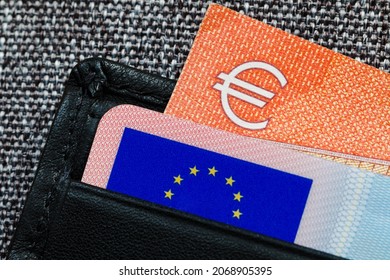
40 41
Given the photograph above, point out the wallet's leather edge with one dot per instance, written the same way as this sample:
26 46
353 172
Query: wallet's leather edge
269 244
82 87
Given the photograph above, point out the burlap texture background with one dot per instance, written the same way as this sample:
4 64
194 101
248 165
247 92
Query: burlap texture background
40 42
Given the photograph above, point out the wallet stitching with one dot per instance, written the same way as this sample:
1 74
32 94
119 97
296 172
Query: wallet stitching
43 221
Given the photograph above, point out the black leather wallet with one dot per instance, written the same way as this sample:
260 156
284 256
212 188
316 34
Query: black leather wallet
66 219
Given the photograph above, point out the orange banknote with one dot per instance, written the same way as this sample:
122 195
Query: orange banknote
247 77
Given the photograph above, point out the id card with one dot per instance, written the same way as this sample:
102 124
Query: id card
140 153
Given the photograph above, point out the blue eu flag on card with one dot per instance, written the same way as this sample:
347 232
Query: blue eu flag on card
210 185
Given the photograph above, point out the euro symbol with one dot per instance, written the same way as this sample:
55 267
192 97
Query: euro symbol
226 90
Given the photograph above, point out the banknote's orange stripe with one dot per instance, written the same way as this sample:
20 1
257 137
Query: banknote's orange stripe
330 102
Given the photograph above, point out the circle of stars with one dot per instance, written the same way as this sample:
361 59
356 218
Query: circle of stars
212 172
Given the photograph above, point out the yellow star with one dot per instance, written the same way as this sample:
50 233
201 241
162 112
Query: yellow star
237 196
178 179
230 181
237 214
169 194
194 170
213 171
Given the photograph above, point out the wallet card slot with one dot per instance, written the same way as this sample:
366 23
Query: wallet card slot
100 224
